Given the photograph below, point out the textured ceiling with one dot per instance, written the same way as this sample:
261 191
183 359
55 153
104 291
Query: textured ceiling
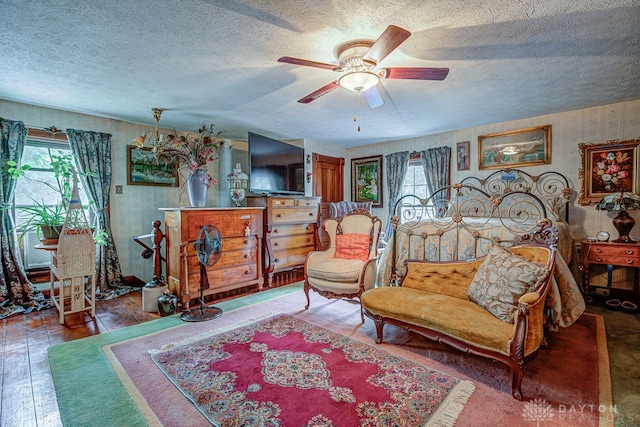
214 61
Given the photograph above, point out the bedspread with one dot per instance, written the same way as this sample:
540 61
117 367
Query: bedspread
564 298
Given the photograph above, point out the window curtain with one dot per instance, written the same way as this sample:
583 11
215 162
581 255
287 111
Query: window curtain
17 294
92 151
436 164
397 165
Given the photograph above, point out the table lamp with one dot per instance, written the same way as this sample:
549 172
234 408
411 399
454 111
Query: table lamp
621 201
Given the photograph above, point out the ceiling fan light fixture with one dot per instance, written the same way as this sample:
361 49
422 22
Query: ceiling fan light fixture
358 81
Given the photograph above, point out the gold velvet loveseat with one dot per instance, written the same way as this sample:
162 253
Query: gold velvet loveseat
492 306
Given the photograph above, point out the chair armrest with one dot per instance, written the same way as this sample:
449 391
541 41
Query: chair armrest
529 298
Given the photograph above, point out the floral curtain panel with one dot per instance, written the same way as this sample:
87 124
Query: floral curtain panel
17 294
436 165
93 152
397 165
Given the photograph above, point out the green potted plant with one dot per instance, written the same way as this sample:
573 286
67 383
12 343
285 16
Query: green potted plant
45 219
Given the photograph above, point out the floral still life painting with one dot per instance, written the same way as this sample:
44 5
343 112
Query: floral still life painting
608 168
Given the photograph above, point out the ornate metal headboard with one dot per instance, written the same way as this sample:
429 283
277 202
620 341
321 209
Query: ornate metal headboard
550 187
459 222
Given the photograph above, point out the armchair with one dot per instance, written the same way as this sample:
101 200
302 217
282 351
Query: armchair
340 209
347 267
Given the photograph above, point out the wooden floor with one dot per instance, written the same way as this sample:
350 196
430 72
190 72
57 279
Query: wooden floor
27 394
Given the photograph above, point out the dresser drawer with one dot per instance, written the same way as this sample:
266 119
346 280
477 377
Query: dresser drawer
280 202
291 258
291 229
307 202
222 277
227 258
291 242
613 251
229 223
614 259
288 215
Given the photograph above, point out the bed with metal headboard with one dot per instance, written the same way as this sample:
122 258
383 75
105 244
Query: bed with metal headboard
462 221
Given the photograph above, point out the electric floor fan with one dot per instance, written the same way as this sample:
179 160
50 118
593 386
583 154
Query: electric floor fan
208 247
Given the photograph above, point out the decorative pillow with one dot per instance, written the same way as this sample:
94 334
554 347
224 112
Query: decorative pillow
352 246
503 278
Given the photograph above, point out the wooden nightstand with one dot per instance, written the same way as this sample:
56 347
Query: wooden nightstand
610 254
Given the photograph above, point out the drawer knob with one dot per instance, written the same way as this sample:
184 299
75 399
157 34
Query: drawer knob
275 230
245 241
310 213
308 240
246 256
598 250
279 215
308 227
629 252
629 261
598 259
276 244
246 272
277 260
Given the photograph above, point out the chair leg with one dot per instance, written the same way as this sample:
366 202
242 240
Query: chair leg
306 292
361 311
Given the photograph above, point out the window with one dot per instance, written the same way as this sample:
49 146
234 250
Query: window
415 181
38 185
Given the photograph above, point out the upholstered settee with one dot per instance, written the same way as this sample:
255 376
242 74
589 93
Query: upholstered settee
492 306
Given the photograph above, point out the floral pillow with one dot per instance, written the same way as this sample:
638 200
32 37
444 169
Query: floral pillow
352 246
502 279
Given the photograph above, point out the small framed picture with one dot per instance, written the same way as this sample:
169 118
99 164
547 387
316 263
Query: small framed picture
366 180
143 168
463 152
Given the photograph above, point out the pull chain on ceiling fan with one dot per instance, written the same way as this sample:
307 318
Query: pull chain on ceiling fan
358 63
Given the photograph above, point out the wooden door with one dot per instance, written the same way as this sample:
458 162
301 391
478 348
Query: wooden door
328 183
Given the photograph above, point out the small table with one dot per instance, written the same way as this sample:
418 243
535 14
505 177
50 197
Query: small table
610 254
71 288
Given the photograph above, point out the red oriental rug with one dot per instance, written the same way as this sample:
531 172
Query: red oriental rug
282 370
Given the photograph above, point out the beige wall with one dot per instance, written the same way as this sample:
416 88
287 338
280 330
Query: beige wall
596 125
133 211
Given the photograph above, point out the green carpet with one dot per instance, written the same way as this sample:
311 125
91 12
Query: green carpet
94 379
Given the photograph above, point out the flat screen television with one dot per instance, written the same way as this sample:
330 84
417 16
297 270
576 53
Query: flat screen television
275 167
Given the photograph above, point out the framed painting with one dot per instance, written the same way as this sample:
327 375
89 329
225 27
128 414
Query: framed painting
143 168
608 168
366 180
463 151
516 148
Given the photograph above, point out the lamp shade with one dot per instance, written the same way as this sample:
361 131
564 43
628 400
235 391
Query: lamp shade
359 81
619 201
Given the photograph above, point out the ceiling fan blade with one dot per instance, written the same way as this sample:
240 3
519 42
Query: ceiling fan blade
414 73
373 97
389 40
318 93
307 63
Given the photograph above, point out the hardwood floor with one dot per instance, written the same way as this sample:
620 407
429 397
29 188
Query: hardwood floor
27 394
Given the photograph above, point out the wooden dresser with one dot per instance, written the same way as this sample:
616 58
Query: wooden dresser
240 263
290 231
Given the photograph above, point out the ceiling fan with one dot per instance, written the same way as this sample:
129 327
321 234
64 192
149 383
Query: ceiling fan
358 65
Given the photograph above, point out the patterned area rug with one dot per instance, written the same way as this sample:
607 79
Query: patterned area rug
282 370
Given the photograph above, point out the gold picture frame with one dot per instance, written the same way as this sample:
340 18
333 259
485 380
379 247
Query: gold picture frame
608 168
145 169
366 180
516 148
